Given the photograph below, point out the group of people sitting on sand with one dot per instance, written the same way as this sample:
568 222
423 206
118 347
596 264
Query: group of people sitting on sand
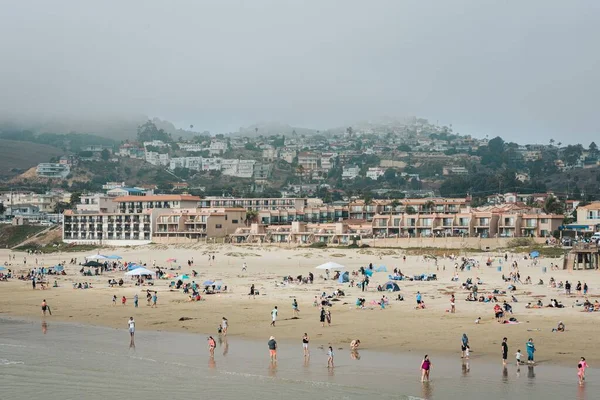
588 306
84 285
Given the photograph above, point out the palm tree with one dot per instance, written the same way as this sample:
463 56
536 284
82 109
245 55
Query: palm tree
428 206
251 217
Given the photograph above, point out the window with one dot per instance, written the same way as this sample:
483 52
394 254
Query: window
234 221
218 226
544 220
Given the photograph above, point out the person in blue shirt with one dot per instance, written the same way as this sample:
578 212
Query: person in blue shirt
530 350
419 298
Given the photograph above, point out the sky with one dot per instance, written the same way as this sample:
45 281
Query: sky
524 70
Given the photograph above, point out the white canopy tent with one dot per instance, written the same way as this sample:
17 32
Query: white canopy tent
331 265
96 257
139 272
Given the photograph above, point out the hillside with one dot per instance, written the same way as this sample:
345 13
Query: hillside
15 155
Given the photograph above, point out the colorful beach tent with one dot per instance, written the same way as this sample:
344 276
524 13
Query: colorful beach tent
139 272
392 286
58 268
534 254
182 277
131 267
381 268
331 266
345 277
368 272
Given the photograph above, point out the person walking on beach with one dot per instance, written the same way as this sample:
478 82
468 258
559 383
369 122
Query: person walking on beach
211 346
330 357
418 299
581 366
464 344
425 368
244 267
504 350
295 310
305 340
154 299
114 299
272 349
328 317
224 323
252 292
530 350
45 307
131 325
274 316
135 300
322 316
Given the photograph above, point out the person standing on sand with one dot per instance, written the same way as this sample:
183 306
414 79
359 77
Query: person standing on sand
274 316
530 350
425 368
252 292
45 308
305 340
295 311
504 350
452 304
330 357
328 317
322 316
154 299
272 349
135 300
131 325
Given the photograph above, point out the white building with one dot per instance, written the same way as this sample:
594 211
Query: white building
269 153
192 147
238 168
53 170
211 164
375 172
217 148
193 163
156 143
97 202
155 158
328 161
288 155
350 171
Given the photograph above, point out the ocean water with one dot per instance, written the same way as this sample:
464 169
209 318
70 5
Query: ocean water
72 361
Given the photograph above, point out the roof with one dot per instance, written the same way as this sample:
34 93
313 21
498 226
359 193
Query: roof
161 197
592 206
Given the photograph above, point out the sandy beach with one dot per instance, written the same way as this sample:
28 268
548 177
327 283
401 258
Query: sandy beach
400 327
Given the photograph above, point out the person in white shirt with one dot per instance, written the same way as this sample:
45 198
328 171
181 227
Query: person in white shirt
131 324
274 316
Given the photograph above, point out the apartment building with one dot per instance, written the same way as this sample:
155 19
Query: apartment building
328 161
211 164
155 158
308 161
91 227
53 170
288 155
317 214
588 218
137 204
217 148
189 225
193 163
350 171
238 168
540 225
191 147
256 204
97 202
359 210
375 173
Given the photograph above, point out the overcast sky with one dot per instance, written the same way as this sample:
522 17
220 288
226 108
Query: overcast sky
525 70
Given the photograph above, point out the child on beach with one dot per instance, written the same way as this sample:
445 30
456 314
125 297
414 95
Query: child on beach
211 346
467 349
518 355
581 366
123 300
114 299
330 357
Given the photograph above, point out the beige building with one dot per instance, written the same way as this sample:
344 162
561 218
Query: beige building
191 225
588 217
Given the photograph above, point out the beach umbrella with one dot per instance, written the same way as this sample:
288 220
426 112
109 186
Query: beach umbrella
58 268
2 268
182 277
131 267
534 254
92 264
114 257
140 271
97 257
218 283
171 261
208 283
330 265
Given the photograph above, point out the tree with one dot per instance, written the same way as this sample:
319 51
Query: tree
105 154
251 217
428 206
572 154
411 210
593 149
75 199
552 205
2 208
149 132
